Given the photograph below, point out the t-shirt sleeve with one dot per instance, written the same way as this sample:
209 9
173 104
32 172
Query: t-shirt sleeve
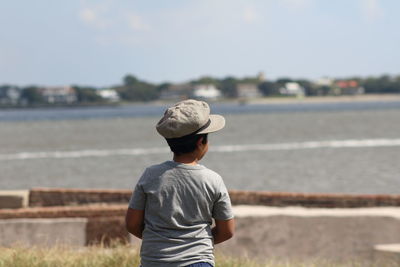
222 209
138 198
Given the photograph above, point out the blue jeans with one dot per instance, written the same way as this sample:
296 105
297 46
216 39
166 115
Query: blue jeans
200 264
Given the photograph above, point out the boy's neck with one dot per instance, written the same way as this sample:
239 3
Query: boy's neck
189 158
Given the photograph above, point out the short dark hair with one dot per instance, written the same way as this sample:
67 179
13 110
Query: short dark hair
185 144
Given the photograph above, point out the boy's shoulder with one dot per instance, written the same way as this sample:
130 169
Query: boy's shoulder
157 166
210 172
156 169
175 166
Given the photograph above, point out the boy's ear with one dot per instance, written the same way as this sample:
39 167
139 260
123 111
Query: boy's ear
200 141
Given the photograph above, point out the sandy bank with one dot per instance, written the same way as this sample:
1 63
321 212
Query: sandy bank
241 211
326 99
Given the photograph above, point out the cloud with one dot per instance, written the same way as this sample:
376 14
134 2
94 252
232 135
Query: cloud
87 15
371 9
137 23
130 24
114 23
295 4
250 15
95 15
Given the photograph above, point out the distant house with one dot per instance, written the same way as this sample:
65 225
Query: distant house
176 92
59 95
206 91
109 94
350 87
247 90
292 88
9 95
325 81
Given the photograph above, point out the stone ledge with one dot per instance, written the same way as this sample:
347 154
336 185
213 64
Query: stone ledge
392 248
87 211
104 223
14 199
67 197
387 253
133 240
105 230
42 197
261 231
312 200
44 232
242 211
306 238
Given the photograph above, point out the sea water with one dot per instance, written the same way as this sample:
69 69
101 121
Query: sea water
322 148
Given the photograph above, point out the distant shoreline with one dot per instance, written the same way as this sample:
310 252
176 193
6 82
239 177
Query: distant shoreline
291 100
326 99
250 101
56 106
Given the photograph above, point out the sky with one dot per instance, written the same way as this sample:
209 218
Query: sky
98 42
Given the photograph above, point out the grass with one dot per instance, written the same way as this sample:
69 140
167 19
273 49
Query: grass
123 256
118 256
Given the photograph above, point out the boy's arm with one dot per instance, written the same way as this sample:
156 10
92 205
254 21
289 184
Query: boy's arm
223 230
134 221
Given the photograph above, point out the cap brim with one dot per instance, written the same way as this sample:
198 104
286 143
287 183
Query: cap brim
217 122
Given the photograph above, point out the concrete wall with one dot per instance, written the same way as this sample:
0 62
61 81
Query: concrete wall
87 211
276 234
105 230
104 222
387 253
41 197
265 233
14 199
265 229
286 237
301 233
45 232
312 200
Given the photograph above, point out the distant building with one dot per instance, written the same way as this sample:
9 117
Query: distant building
109 94
9 95
176 92
292 88
206 91
261 77
247 90
59 94
325 81
350 87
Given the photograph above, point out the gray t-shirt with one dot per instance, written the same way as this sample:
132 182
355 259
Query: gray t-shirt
180 201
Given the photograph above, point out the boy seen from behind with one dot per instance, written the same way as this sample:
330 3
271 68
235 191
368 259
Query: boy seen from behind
174 202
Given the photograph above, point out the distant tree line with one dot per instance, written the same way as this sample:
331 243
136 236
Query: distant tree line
134 89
